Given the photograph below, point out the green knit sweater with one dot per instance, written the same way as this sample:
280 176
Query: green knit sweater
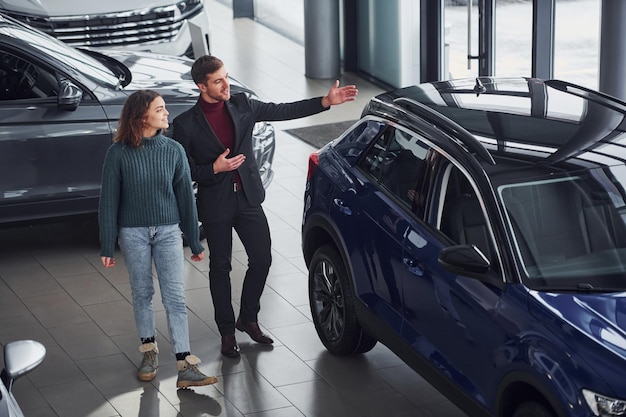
147 186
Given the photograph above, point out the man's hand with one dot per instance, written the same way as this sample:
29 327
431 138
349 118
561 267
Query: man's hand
224 164
197 257
339 95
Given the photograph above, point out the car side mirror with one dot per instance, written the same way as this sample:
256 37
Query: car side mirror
469 261
21 357
70 96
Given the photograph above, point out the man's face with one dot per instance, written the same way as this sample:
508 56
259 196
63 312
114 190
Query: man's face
216 86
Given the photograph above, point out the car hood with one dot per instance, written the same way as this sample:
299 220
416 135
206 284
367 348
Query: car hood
157 71
601 317
73 7
154 71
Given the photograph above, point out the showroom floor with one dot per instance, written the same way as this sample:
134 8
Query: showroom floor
53 289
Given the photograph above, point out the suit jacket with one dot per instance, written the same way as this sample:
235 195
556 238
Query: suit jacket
216 199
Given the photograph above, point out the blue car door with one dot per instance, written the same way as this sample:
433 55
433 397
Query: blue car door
452 320
375 233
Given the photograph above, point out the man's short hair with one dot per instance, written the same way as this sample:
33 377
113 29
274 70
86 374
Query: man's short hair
204 66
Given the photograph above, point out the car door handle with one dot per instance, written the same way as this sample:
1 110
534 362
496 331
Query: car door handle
413 266
342 208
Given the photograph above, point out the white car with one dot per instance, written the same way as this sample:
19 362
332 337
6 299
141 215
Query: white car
173 27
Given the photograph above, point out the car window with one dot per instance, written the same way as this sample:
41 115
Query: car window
396 161
39 43
351 146
462 218
21 79
424 182
569 230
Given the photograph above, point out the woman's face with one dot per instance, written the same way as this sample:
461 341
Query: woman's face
155 118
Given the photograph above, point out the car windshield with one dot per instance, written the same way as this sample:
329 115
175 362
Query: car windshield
83 63
570 229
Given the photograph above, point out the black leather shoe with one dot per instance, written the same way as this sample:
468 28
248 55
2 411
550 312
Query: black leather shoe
254 332
229 346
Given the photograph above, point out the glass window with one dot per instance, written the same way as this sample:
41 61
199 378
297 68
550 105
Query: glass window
577 41
82 62
569 230
353 144
284 16
21 80
462 218
399 161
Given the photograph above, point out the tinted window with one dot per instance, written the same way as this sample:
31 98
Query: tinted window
20 79
461 216
398 161
569 230
353 144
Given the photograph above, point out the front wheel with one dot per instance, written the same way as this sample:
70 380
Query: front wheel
532 409
332 305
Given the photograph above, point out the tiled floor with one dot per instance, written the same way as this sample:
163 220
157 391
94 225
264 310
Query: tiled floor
54 290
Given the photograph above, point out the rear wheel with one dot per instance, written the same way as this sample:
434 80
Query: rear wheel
532 409
332 305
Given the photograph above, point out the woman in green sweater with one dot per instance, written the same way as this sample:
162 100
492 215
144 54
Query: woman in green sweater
145 202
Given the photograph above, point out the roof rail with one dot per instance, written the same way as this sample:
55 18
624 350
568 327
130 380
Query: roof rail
446 124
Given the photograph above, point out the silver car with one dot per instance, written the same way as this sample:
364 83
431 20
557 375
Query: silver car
59 108
159 26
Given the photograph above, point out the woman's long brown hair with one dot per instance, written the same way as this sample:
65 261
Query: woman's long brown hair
131 124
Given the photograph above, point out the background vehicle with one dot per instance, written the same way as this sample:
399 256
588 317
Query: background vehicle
477 228
59 108
159 26
20 358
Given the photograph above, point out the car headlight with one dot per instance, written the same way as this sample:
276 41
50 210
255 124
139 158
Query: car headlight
259 128
601 405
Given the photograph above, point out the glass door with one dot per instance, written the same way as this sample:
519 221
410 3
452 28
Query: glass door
467 38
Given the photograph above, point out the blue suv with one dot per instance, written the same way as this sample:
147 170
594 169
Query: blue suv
477 228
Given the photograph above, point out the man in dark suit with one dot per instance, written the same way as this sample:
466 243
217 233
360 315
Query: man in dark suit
217 136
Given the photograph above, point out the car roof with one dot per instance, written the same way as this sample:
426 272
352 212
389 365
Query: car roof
547 121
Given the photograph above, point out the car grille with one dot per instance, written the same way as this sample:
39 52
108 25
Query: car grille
159 24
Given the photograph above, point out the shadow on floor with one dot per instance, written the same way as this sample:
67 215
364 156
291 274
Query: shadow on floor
79 232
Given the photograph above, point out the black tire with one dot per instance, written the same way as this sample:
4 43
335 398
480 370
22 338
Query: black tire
533 409
332 305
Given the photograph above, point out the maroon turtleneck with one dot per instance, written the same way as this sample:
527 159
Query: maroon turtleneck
220 121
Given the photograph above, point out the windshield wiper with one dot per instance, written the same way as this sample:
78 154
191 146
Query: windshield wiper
582 288
586 287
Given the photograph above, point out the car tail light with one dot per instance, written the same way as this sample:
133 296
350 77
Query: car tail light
314 161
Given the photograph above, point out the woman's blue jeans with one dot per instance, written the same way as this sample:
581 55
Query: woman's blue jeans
163 246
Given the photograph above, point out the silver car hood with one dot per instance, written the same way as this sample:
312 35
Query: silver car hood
82 7
151 70
154 70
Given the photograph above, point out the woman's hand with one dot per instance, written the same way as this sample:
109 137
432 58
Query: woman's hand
107 262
